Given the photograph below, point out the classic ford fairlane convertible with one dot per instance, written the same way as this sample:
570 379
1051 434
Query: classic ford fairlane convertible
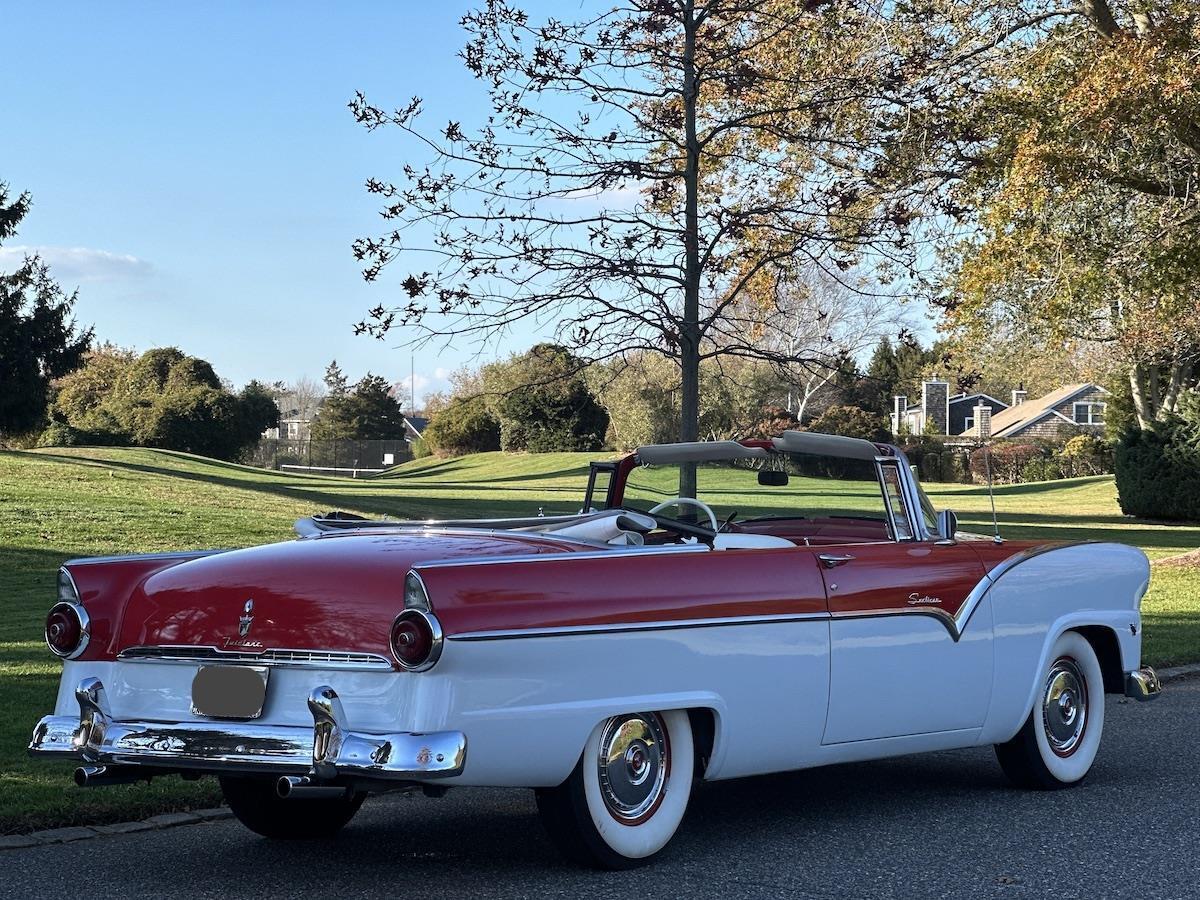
710 610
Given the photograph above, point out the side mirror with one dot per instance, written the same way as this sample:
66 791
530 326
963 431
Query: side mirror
772 478
947 525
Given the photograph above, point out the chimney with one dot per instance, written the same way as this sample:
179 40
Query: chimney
1019 395
935 396
983 421
898 411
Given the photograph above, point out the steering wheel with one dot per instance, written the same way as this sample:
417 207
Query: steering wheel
688 501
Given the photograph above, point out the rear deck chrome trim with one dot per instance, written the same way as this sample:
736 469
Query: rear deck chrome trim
309 659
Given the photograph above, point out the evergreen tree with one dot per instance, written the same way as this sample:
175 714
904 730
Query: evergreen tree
883 377
370 412
335 380
39 341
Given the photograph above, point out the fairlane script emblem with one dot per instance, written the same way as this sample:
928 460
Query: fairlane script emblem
247 619
916 599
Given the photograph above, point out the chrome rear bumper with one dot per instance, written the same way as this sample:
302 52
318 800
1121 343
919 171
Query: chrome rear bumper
1142 684
327 751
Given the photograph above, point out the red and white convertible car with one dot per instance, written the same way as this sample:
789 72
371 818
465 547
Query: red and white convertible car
607 658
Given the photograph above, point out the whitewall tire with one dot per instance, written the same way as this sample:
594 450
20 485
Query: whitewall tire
1057 745
628 793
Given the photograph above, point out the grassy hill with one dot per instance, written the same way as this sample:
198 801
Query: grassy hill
56 504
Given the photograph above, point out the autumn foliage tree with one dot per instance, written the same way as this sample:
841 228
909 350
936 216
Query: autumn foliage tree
1067 139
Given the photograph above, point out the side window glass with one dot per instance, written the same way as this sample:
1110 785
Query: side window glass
599 482
894 496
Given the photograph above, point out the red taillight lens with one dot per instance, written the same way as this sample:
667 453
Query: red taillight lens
67 629
416 639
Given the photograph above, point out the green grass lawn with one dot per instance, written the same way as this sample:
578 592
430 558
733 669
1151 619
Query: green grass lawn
56 504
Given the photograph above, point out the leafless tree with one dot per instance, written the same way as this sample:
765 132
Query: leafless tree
640 169
812 327
300 399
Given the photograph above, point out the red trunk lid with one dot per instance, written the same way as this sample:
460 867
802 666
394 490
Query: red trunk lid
336 592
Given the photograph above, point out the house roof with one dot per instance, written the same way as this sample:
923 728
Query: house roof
1016 418
417 423
959 398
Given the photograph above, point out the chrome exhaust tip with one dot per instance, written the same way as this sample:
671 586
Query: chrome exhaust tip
100 776
302 787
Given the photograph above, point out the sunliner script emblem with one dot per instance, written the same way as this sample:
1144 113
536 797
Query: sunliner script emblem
915 598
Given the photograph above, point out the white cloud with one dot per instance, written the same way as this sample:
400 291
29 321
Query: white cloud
409 383
77 265
421 385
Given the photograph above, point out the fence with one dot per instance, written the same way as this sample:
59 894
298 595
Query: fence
354 458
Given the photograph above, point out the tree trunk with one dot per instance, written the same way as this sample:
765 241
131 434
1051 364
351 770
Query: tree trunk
1101 17
1141 403
689 326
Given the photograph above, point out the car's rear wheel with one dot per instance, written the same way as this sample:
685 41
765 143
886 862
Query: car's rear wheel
1057 745
628 793
259 807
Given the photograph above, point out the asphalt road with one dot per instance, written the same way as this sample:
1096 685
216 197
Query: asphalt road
938 825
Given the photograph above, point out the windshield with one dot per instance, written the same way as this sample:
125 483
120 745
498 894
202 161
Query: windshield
817 487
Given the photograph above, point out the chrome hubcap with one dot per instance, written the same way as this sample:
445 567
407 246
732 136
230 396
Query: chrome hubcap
1064 706
633 766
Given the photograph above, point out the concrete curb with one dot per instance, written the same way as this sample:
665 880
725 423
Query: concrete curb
1178 672
85 832
172 820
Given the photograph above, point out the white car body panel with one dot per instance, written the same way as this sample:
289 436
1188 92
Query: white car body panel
900 684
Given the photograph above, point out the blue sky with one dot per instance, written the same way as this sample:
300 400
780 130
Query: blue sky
196 174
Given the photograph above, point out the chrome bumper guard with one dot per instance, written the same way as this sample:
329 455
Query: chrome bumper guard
326 752
1142 684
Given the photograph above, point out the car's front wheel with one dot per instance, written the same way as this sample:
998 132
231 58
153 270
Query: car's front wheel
628 793
259 807
1058 743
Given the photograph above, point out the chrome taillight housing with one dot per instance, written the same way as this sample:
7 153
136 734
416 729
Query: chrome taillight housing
68 628
416 634
416 640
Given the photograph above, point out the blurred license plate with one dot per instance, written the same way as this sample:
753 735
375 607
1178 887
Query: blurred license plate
229 692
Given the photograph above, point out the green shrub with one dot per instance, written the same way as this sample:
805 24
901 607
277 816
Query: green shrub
850 421
421 449
60 434
163 398
1042 468
935 461
465 426
545 404
1085 454
1008 460
1158 471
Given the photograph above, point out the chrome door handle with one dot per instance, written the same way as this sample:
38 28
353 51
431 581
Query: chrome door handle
830 561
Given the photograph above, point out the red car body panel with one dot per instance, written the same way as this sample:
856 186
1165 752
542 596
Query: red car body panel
339 592
104 586
625 588
889 577
992 554
342 591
